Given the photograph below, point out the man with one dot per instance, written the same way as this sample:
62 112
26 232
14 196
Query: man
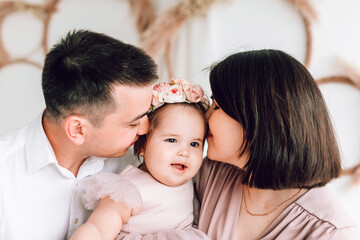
97 92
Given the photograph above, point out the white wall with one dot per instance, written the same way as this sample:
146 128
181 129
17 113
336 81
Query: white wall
229 26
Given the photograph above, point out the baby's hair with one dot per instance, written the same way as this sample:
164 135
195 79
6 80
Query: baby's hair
155 116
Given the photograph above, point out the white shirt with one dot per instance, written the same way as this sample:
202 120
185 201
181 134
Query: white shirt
39 199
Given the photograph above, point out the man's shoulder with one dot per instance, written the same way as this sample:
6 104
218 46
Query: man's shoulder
12 138
12 143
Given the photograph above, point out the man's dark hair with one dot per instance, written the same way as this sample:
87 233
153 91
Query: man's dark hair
287 130
83 67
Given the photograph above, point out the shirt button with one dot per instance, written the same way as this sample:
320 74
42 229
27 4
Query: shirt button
76 220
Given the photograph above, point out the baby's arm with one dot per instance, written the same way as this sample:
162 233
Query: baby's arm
106 221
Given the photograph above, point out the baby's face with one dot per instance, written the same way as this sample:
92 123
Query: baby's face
174 151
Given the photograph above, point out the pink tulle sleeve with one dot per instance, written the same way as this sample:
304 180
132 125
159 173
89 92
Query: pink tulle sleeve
179 234
113 185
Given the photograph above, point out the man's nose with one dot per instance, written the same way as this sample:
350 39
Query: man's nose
144 126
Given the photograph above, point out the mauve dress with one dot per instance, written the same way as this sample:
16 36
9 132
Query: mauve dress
315 215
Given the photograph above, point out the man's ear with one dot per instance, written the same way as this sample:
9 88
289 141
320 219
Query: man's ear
75 129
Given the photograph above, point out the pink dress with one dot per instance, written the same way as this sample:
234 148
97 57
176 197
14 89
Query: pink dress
165 211
315 215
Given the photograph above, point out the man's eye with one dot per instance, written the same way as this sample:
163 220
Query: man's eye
194 144
134 124
171 140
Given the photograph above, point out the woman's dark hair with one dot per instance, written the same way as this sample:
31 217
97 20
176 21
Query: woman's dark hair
155 116
287 130
81 70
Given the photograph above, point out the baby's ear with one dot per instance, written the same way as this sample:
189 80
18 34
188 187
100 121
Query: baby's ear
142 151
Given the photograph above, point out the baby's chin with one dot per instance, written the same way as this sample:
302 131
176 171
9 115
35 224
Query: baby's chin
172 183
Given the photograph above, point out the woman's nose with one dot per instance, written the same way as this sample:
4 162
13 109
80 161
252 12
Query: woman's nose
208 113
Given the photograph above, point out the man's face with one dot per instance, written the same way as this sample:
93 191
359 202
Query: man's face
120 129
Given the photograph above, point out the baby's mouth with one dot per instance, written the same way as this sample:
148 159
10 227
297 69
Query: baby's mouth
179 166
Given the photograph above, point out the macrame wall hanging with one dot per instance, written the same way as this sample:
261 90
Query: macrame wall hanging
157 32
42 12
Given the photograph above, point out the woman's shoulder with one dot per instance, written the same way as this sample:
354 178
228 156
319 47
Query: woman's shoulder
316 215
215 177
213 168
322 204
212 172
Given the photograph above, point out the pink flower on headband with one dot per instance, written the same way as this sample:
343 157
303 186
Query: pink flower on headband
194 93
177 90
157 88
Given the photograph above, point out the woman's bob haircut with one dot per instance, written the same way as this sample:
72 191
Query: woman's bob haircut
288 134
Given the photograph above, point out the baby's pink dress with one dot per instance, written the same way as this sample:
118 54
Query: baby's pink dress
166 212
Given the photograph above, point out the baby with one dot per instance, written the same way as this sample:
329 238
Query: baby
172 154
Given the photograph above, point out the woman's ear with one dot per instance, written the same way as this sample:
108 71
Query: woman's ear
75 129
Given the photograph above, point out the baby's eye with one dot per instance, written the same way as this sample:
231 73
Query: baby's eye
194 144
171 140
216 107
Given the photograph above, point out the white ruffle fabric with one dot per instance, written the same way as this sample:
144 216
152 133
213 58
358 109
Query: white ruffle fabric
109 184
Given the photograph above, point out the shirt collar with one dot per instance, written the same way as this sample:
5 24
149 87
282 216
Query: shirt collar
38 148
40 153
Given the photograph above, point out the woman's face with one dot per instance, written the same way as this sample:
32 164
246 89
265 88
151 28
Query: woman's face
225 137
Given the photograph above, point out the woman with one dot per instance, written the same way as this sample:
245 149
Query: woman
271 149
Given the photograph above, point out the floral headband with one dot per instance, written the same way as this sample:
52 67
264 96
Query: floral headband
176 91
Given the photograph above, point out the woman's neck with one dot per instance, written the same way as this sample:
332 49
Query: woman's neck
259 208
263 201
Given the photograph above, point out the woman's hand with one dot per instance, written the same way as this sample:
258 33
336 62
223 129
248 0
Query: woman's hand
355 172
356 180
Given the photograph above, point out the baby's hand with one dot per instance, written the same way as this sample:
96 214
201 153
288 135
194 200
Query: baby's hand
121 208
136 209
106 221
